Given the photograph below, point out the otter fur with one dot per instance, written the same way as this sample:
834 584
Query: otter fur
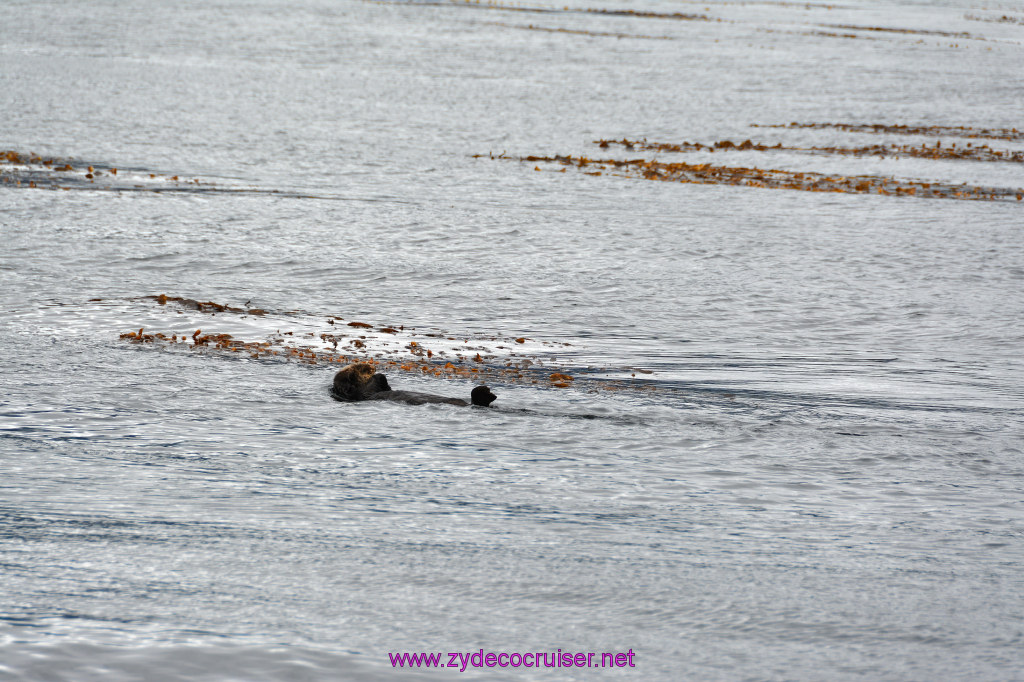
360 381
350 383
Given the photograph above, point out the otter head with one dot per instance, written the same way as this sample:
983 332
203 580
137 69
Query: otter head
378 383
357 382
482 396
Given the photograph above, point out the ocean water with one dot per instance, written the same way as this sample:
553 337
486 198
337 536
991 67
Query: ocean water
746 433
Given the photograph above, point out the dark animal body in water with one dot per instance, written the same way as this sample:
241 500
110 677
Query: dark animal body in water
360 381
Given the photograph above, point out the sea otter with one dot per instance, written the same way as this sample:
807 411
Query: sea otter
360 381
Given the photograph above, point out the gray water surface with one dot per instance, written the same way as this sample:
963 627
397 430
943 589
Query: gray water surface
792 448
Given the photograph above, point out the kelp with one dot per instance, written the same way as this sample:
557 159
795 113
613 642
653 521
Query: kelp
971 132
494 359
29 170
741 176
950 152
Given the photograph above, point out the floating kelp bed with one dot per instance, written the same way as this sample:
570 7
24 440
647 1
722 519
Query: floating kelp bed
1001 19
706 174
580 32
822 34
678 16
879 33
808 181
32 171
850 31
924 151
1011 134
907 31
334 342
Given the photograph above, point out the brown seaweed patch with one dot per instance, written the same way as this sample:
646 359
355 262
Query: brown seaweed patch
831 34
818 34
43 171
421 363
679 16
646 15
502 359
1002 19
685 146
950 152
580 32
1011 134
706 174
883 34
909 31
29 170
204 306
